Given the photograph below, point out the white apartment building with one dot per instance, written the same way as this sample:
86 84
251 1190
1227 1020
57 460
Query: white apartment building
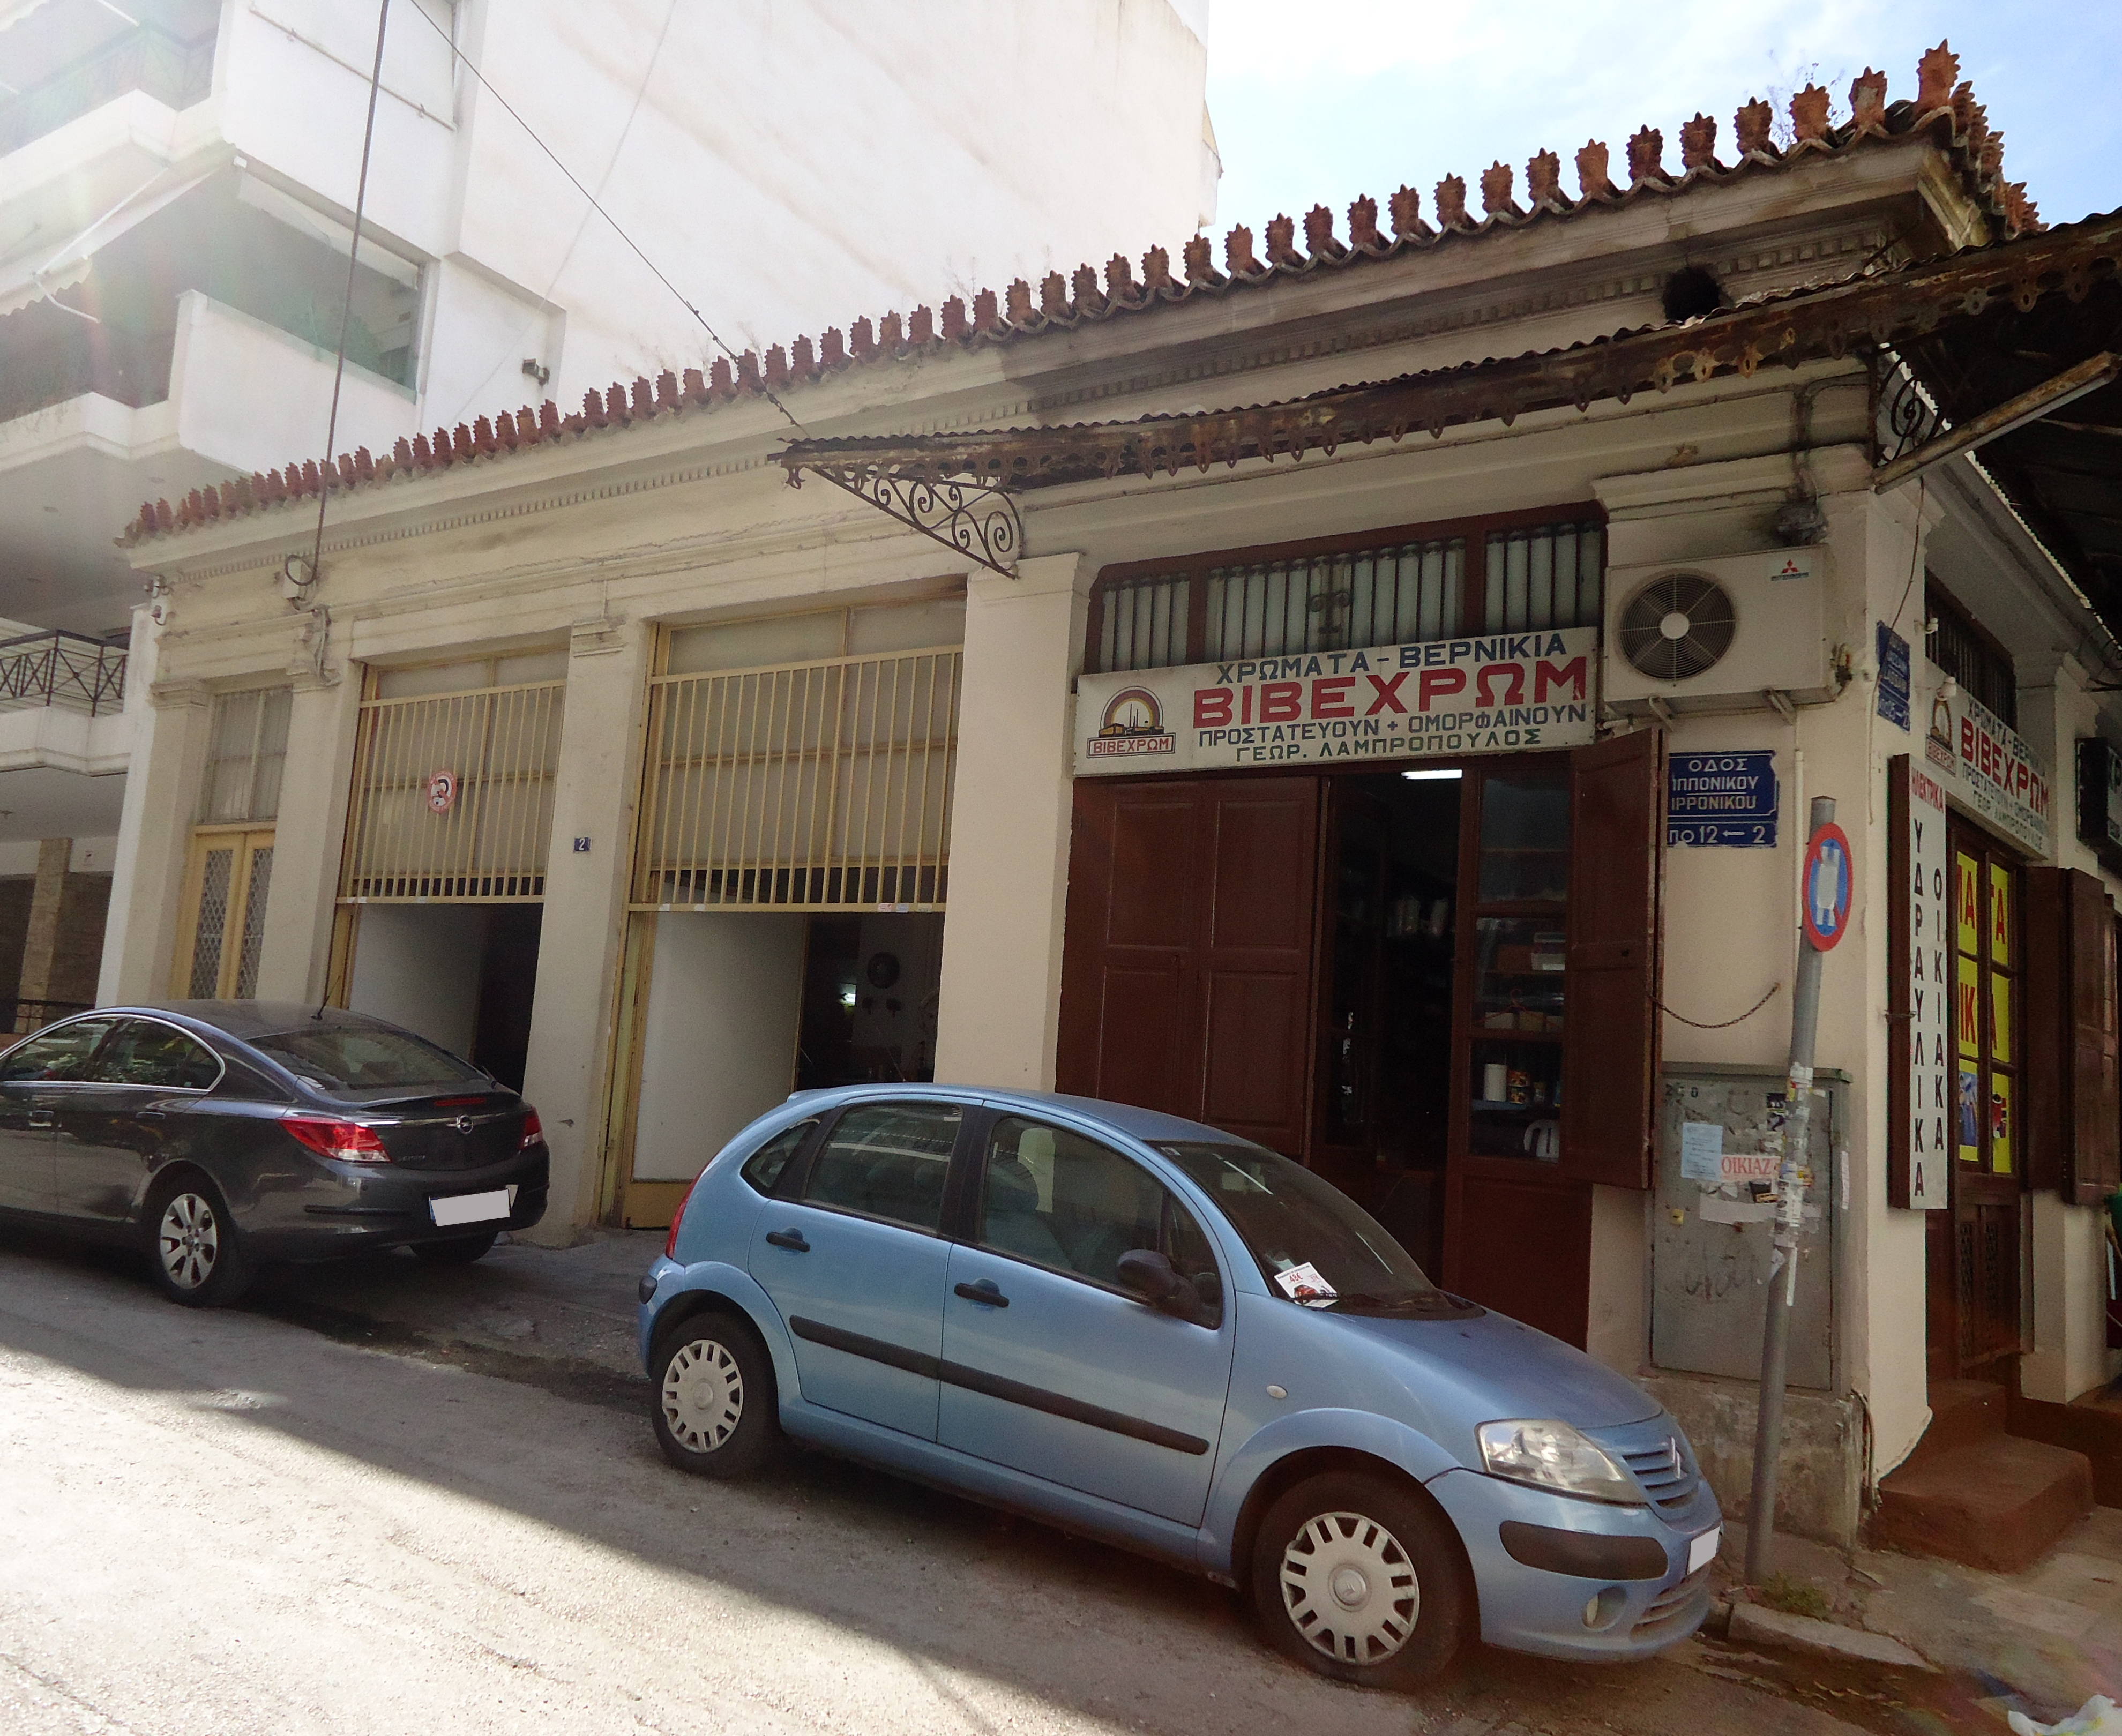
177 185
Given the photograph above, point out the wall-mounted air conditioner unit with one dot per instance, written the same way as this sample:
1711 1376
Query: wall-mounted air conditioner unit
1716 634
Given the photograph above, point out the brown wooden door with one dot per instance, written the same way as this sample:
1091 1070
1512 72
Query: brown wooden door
1187 962
1973 1250
1610 1064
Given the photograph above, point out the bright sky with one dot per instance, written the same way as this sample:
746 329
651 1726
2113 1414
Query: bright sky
1316 101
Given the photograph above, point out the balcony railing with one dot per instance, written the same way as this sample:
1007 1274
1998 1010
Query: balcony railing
172 71
60 668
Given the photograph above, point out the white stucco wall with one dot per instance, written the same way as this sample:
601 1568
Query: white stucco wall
418 965
724 997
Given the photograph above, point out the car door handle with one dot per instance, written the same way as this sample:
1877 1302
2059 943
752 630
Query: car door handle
149 1115
791 1239
983 1291
42 1118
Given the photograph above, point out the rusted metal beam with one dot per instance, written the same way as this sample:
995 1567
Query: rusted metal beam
2089 375
1855 316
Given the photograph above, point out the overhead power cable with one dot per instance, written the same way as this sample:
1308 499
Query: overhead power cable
487 84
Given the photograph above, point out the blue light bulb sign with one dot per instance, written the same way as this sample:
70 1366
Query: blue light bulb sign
1830 880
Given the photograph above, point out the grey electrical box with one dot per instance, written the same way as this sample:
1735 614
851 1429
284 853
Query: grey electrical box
1712 1240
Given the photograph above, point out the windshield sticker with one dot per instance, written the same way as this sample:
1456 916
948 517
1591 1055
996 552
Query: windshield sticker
1306 1284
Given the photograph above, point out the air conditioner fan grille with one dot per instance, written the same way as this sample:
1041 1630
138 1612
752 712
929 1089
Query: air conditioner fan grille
1677 627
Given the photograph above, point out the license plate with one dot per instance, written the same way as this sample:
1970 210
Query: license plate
1703 1550
472 1208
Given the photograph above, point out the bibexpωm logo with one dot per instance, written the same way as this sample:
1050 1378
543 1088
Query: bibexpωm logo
1133 723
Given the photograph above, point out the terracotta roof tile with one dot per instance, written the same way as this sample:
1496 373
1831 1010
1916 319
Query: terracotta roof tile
1944 111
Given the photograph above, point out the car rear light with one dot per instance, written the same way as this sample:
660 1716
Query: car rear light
678 1217
348 1140
533 1130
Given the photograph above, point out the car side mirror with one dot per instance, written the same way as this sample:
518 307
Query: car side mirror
1150 1276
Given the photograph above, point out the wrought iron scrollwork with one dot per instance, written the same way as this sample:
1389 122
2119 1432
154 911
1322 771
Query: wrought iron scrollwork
1908 417
969 517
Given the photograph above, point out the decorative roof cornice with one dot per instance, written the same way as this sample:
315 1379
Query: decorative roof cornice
1943 113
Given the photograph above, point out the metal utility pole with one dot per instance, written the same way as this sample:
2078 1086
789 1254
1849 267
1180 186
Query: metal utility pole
1828 886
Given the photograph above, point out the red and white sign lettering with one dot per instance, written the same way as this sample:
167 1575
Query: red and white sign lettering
1505 693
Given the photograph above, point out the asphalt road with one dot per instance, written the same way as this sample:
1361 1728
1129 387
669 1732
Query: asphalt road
226 1523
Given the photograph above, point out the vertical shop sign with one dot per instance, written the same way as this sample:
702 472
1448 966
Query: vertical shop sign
1923 1098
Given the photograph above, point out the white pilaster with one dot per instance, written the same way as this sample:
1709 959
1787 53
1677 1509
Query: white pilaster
596 791
1000 1004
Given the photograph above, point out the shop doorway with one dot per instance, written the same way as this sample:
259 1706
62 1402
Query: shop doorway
1383 1109
871 987
1439 992
1972 1249
460 975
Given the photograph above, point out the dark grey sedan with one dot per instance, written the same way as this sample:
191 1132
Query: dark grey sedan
217 1134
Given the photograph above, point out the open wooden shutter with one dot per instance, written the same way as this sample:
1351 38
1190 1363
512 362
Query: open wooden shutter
2073 1082
1256 955
1610 1065
1186 970
1129 968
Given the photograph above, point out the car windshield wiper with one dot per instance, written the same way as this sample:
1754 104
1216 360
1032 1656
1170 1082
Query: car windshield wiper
1403 1301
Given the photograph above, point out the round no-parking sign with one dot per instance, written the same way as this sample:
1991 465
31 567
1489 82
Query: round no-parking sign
441 791
1829 878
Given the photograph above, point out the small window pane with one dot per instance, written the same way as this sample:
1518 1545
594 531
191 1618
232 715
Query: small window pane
1060 1200
889 1161
1525 838
762 1167
56 1054
145 1053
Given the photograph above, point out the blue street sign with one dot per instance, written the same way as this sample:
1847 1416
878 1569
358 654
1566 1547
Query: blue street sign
1893 676
1728 799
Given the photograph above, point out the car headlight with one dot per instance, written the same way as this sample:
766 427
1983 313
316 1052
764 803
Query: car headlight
1554 1456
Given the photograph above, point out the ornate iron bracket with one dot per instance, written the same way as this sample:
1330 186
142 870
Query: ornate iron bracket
970 518
1907 415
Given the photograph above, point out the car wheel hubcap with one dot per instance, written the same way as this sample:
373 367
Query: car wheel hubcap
702 1395
1349 1588
188 1241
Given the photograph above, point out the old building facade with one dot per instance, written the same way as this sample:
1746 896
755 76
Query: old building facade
1407 770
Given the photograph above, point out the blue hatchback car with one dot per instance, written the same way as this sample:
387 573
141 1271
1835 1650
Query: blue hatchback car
1141 1329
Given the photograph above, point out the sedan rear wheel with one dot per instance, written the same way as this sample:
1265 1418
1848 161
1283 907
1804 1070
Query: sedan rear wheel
1361 1579
198 1253
714 1404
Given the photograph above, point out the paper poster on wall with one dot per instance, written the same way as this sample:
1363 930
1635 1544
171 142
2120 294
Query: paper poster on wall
1508 693
1930 1104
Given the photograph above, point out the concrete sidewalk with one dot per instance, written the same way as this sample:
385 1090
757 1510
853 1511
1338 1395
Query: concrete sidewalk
2043 1641
559 1318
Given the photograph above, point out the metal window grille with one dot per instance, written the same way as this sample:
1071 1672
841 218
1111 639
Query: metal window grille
1264 608
213 922
1547 575
248 751
487 842
1962 652
1336 602
1145 624
254 921
817 785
